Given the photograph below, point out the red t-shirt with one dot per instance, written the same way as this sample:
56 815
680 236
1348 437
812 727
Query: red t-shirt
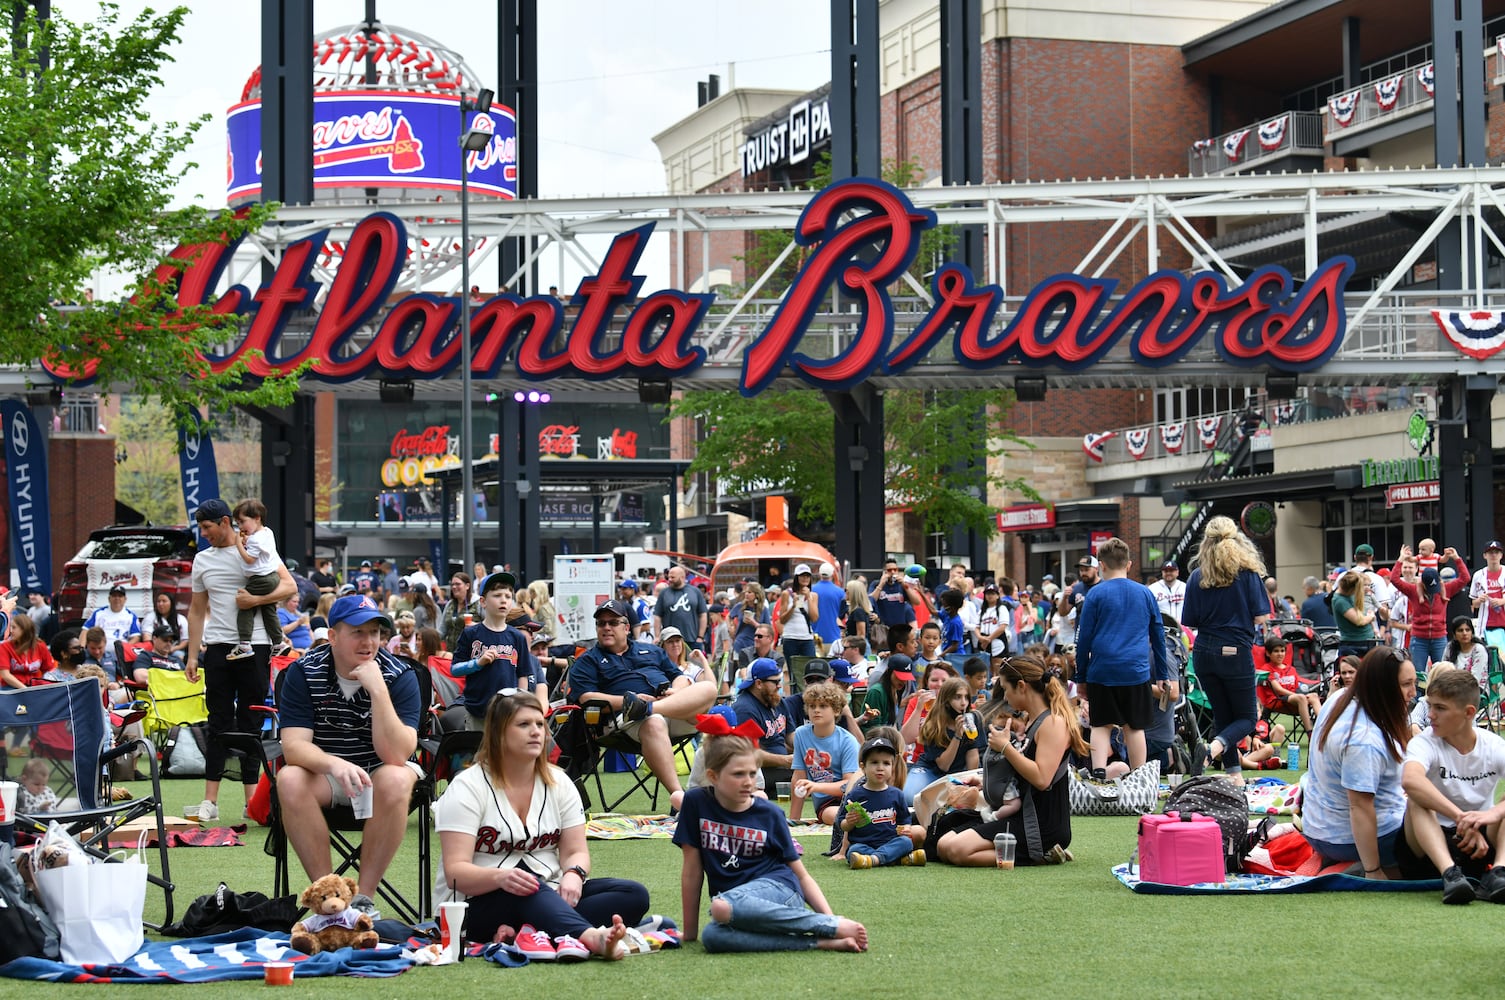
1286 675
27 667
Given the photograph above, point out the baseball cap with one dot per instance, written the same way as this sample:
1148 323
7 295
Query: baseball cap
117 589
518 618
874 745
212 510
818 668
365 564
320 633
1170 564
1492 544
618 608
346 588
627 584
541 639
1087 561
725 711
404 585
803 569
421 587
841 672
763 669
990 587
1049 576
164 630
357 609
899 665
826 569
1363 551
669 632
498 578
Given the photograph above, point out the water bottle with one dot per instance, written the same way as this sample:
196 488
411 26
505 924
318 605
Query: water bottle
1293 755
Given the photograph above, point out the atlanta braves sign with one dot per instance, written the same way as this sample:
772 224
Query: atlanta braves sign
863 235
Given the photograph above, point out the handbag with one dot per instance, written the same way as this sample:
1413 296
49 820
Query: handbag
97 907
1135 794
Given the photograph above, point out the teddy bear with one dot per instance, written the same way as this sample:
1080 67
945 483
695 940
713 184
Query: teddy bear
331 923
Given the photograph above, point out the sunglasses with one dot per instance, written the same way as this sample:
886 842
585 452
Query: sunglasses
610 622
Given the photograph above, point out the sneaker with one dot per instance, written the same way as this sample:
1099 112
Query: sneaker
1456 887
207 812
1099 774
569 949
240 651
1058 855
635 709
914 858
861 861
362 903
535 944
1492 885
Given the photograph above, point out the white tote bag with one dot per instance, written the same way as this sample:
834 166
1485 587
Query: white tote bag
97 908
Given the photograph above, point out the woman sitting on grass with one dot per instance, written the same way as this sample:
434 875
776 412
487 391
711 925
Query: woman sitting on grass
1042 823
512 837
741 845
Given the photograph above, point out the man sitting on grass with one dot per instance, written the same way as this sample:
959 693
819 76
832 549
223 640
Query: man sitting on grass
1451 776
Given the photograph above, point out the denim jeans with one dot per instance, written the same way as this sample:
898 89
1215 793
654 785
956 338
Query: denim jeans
890 853
916 780
798 647
1425 651
1229 683
767 915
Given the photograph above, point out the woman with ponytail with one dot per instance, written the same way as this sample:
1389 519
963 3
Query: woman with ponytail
1034 767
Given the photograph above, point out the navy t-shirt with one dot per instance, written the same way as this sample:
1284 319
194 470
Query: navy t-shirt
1224 616
737 847
773 720
514 666
887 810
929 757
891 604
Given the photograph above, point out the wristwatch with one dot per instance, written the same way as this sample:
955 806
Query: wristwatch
579 870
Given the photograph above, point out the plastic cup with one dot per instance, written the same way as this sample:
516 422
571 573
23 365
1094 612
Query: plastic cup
969 725
361 803
1003 850
469 618
451 927
8 792
279 973
782 789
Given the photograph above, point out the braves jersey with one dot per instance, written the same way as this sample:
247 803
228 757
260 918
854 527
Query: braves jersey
1169 597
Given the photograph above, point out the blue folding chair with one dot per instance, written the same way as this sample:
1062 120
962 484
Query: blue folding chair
74 715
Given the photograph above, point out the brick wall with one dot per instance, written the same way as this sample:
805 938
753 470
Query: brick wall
81 479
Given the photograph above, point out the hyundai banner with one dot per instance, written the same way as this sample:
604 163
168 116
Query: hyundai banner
384 140
30 521
196 462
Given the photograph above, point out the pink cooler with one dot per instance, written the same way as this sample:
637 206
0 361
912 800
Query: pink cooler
1177 851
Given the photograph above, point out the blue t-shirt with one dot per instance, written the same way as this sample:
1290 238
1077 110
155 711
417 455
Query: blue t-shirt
1315 610
775 724
514 666
824 758
953 633
300 637
1356 757
891 604
887 810
1224 616
1119 634
737 847
831 598
642 668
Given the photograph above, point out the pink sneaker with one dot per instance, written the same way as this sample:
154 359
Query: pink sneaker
535 944
570 949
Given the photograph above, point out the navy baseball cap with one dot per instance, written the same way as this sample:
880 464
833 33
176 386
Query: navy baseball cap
899 666
818 668
1492 544
874 745
357 609
365 564
618 608
212 510
500 578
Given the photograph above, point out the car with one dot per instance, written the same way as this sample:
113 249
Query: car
141 558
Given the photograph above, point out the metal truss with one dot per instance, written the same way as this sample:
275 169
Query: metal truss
1185 223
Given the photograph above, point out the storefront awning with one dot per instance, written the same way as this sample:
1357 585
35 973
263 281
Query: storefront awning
1305 485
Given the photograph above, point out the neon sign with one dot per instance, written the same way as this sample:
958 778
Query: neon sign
863 234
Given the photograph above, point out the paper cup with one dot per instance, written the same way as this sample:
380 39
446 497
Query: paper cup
8 790
279 973
451 927
361 803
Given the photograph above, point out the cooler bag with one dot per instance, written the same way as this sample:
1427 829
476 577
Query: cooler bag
1177 850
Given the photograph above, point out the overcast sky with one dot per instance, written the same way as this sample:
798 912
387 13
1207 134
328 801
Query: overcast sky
613 72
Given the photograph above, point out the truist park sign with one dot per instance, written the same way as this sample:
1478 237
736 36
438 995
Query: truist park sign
863 235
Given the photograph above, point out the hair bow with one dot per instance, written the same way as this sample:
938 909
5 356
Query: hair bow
716 725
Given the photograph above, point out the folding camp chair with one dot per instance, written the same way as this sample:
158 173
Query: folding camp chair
77 707
341 819
586 736
172 700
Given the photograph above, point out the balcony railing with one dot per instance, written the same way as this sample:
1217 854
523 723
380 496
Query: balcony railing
1291 133
1395 97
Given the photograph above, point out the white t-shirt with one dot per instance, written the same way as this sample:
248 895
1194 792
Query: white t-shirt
988 620
503 839
1467 780
262 545
220 572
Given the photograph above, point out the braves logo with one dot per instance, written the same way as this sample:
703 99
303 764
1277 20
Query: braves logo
732 863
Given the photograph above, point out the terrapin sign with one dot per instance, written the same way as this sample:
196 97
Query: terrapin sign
863 235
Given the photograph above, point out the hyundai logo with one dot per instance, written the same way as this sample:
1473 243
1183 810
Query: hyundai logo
20 435
191 447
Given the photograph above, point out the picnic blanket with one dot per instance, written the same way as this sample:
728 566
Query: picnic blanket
1331 881
238 954
1272 797
618 826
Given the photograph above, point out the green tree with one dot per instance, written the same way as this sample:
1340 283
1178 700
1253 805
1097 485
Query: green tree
147 476
86 181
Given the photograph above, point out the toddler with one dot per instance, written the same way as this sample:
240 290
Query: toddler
258 549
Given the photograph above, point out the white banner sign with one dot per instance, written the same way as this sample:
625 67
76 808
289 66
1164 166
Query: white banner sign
581 583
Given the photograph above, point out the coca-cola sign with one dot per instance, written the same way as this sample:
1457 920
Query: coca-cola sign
432 440
863 235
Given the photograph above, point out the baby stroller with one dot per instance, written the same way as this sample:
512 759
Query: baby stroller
1193 712
1301 637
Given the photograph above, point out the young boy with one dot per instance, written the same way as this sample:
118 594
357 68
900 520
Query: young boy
930 645
874 810
1451 776
1281 690
953 630
1120 651
825 755
492 655
258 550
975 670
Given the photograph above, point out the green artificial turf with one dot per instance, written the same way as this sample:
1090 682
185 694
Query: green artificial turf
1068 931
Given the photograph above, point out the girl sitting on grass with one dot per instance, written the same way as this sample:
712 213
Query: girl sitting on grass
741 845
944 744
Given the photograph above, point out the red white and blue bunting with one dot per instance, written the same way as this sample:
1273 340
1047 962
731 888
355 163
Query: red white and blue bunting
1093 444
1273 132
1283 413
1207 430
1173 436
1204 147
1137 441
1479 334
1341 108
1424 77
1387 92
1233 143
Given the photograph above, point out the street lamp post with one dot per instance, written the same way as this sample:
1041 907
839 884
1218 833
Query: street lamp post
472 140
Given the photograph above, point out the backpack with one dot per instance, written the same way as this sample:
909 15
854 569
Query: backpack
26 931
1222 800
183 754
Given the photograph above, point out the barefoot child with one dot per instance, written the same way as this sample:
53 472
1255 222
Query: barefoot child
258 550
875 809
825 756
741 845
